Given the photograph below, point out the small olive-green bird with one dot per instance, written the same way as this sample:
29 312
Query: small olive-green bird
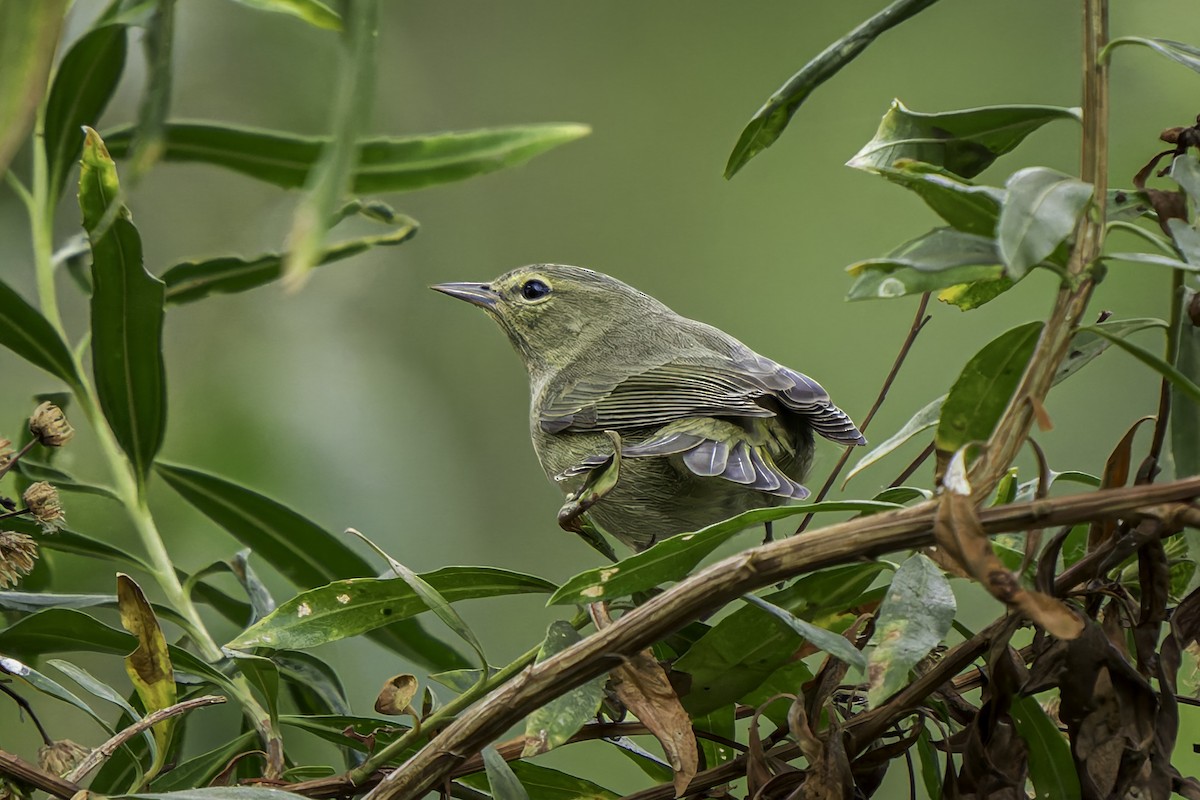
652 423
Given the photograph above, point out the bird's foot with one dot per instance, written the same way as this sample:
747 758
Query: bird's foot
600 480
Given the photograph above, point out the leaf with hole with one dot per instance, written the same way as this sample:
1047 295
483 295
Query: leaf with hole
962 142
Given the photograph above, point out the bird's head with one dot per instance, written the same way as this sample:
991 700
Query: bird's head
551 312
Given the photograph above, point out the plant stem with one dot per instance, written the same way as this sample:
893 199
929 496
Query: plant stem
41 226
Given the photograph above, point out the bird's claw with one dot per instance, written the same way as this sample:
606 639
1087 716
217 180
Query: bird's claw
600 481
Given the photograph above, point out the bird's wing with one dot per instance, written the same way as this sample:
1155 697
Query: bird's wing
703 384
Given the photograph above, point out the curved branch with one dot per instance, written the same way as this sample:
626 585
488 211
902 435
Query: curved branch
720 583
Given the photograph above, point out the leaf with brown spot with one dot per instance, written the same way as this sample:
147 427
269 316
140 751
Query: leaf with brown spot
1116 473
149 666
642 686
397 695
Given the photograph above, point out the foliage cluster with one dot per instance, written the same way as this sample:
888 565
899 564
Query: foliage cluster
824 669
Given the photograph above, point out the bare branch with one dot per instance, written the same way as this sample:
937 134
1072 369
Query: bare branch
23 771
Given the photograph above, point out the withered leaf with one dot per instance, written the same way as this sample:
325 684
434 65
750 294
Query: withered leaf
397 695
642 686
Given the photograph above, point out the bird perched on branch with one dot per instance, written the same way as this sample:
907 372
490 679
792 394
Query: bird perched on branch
652 423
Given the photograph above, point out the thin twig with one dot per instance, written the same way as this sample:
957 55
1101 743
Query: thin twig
919 321
921 458
97 756
24 704
38 778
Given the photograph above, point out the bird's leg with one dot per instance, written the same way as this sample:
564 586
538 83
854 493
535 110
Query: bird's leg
768 532
599 481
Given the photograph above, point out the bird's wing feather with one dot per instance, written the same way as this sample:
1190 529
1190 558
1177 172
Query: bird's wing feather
706 384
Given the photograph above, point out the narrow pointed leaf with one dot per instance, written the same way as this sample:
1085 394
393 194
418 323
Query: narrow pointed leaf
68 541
544 783
27 333
332 727
963 205
83 85
331 176
769 121
29 602
963 142
315 685
1154 259
1183 385
157 42
127 315
943 257
385 165
105 692
504 784
1179 52
923 420
916 615
355 606
674 558
63 481
194 280
314 12
28 37
1040 211
13 668
302 551
837 646
1085 346
557 721
983 388
201 769
149 665
1051 766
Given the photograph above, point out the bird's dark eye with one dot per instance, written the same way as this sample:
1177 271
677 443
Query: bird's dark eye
534 290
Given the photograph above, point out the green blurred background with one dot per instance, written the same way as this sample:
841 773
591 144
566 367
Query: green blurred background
369 401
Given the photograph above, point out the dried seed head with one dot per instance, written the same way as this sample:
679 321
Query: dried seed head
61 757
42 501
17 554
49 425
6 453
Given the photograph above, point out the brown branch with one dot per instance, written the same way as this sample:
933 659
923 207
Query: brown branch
919 321
98 755
38 778
708 590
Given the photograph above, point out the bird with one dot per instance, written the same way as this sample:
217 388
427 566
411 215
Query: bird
651 423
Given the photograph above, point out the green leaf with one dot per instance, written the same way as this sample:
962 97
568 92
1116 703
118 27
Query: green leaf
302 551
127 315
968 296
354 606
149 665
1185 411
460 680
923 420
502 781
983 388
931 768
544 783
194 280
331 727
672 559
263 675
315 685
314 12
28 37
331 176
1183 386
83 85
384 165
1185 171
557 721
156 97
1040 211
1154 259
832 643
1187 241
63 481
722 723
27 333
36 680
29 602
1086 346
769 121
105 692
943 257
737 655
1179 52
963 205
916 614
201 769
1051 767
963 142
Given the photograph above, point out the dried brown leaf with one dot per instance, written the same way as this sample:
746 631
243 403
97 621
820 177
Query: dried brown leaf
642 686
397 695
1116 473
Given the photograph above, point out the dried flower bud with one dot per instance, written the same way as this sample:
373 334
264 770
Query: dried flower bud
6 452
42 501
61 757
49 425
1171 135
17 554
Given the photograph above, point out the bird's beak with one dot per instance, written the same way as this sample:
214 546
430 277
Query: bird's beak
477 294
